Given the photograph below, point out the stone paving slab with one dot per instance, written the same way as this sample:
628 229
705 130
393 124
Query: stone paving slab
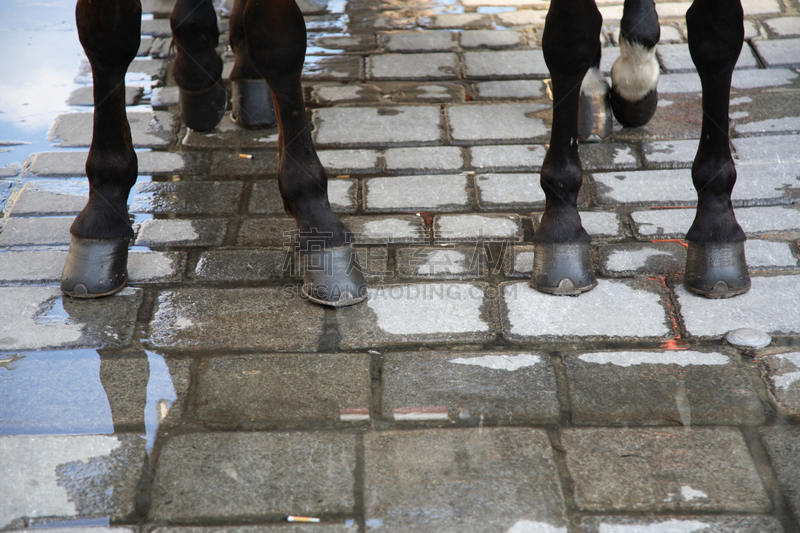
460 21
410 66
148 130
626 260
521 17
509 191
424 159
267 318
268 391
783 447
68 477
529 315
477 228
467 480
518 261
675 153
228 164
181 232
36 318
779 52
770 148
34 231
418 313
270 231
141 69
726 524
526 89
446 192
601 225
388 229
165 97
481 123
227 134
348 526
242 265
465 387
676 58
416 41
770 305
225 476
493 39
451 262
784 26
781 371
766 255
349 161
84 96
663 469
184 198
603 156
318 68
359 126
67 164
660 388
509 158
505 64
51 197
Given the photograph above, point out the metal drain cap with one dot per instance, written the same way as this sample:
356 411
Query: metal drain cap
748 338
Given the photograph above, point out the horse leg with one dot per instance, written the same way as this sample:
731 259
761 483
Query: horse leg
595 118
276 43
715 264
198 68
97 260
634 76
562 264
251 99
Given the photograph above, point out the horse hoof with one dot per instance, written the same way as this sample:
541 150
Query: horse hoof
716 270
333 277
251 104
95 267
634 114
202 110
562 269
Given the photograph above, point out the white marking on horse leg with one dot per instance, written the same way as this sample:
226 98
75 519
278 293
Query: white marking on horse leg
635 73
594 115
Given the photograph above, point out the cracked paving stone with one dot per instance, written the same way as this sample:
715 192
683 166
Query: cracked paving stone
502 479
156 129
419 41
781 371
783 447
184 198
770 305
486 123
453 262
663 469
182 232
269 391
69 477
36 231
529 315
505 64
661 523
409 66
499 388
439 192
425 159
419 313
389 229
242 265
510 158
660 388
480 228
267 318
74 163
376 126
226 476
627 260
48 320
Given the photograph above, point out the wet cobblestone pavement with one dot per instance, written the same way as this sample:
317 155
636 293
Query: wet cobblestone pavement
208 396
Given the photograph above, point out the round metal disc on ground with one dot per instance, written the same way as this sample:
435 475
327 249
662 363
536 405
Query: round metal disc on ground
748 338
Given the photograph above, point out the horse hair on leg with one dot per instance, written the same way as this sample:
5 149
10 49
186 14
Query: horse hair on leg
595 118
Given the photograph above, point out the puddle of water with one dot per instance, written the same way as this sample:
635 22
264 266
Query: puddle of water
160 397
79 522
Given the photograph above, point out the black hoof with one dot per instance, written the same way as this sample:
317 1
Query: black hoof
562 269
595 121
95 267
251 103
202 110
333 277
716 270
634 114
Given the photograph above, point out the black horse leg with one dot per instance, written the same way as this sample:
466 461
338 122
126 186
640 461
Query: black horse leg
595 118
276 44
96 265
198 68
715 264
571 39
635 73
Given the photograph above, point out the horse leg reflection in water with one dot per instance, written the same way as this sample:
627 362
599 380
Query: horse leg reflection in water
269 39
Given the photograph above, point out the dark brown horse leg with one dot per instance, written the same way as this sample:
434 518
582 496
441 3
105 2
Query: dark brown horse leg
109 31
715 264
276 44
251 100
562 264
198 68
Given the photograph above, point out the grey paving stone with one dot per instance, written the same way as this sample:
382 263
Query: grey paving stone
608 156
783 447
480 228
350 43
267 318
779 52
269 231
757 79
329 93
265 198
164 97
222 476
242 265
726 524
784 26
644 187
511 158
768 255
9 171
418 313
670 154
781 371
185 198
785 125
349 161
521 17
74 163
51 197
437 262
383 230
660 388
68 477
161 7
422 92
460 21
268 391
34 231
84 96
490 38
410 66
600 225
676 58
227 134
156 129
772 149
419 41
511 89
486 123
376 126
669 35
505 64
528 315
756 221
626 260
770 305
318 68
348 526
156 27
509 191
494 387
467 480
663 469
518 261
445 192
182 232
760 7
424 159
34 318
228 164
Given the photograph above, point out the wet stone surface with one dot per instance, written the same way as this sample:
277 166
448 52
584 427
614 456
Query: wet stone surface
181 232
782 373
27 231
51 197
242 265
783 447
182 198
624 260
416 193
148 130
440 262
74 163
728 524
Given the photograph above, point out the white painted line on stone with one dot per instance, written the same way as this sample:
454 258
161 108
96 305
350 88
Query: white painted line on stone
500 362
670 357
